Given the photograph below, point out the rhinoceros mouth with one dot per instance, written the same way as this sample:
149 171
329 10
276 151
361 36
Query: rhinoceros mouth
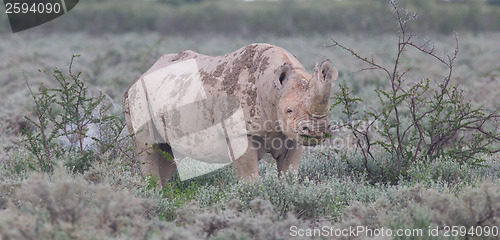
323 136
310 137
308 140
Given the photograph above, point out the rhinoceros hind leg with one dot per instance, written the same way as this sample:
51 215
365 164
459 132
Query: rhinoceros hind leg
152 156
154 163
166 164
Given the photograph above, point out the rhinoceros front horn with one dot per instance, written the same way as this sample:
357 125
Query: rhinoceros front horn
320 86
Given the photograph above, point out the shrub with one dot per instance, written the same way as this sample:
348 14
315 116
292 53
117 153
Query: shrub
70 122
417 120
231 223
67 207
418 207
305 198
322 164
444 170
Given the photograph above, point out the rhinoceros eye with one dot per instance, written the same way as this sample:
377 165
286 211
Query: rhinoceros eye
289 111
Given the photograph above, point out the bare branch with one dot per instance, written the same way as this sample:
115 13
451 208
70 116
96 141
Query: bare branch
356 55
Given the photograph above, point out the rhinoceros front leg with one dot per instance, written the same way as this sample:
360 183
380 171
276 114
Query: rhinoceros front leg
151 159
290 159
246 166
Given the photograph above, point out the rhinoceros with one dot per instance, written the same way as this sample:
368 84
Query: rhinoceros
258 99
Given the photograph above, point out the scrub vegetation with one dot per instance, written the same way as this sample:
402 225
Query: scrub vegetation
68 169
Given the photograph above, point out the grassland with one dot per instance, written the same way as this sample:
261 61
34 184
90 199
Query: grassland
111 200
281 18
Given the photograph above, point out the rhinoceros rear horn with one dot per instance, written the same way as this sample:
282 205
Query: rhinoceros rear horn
281 75
320 87
327 73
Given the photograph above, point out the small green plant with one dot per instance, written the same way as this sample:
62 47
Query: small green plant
163 153
417 120
71 123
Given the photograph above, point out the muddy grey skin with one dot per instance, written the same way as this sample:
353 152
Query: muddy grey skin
284 107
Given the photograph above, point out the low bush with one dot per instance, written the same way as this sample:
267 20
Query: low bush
421 208
68 207
69 122
62 206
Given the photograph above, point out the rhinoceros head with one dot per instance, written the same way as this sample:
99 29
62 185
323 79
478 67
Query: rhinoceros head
303 102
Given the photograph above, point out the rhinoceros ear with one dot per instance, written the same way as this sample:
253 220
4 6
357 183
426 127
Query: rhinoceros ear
281 75
328 73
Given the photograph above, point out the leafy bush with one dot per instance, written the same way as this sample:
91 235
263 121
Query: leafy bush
417 120
70 122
